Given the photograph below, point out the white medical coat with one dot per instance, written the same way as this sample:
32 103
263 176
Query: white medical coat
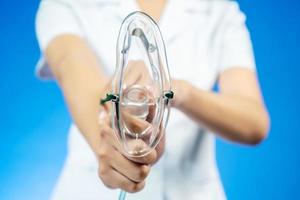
203 38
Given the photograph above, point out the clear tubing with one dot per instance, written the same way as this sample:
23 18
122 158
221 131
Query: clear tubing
122 195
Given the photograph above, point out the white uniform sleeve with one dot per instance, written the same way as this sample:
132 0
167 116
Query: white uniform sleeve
54 17
236 47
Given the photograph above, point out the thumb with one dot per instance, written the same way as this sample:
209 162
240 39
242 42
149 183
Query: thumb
103 117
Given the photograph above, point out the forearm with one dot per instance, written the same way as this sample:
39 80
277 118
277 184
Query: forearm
81 81
82 91
233 117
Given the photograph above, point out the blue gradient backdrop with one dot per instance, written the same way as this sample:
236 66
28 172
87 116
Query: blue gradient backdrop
34 120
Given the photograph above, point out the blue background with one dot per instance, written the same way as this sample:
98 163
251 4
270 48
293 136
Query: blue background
34 120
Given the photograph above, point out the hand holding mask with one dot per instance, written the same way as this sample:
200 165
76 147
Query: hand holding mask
141 86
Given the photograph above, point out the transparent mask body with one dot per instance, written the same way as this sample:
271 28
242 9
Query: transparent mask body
141 80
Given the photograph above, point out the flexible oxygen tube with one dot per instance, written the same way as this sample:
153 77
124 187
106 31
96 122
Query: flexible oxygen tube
122 195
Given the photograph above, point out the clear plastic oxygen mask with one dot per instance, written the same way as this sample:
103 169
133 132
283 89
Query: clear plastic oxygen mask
141 86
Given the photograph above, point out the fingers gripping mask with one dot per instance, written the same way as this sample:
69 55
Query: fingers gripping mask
141 87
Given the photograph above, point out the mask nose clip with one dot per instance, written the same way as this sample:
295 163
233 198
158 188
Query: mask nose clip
138 32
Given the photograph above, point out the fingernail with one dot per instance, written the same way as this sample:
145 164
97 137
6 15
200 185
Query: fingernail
102 116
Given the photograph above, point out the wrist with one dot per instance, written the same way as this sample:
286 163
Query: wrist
181 89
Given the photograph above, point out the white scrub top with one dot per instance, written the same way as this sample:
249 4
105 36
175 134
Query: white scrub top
203 38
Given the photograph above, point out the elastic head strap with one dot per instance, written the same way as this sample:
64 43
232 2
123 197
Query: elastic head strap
115 98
